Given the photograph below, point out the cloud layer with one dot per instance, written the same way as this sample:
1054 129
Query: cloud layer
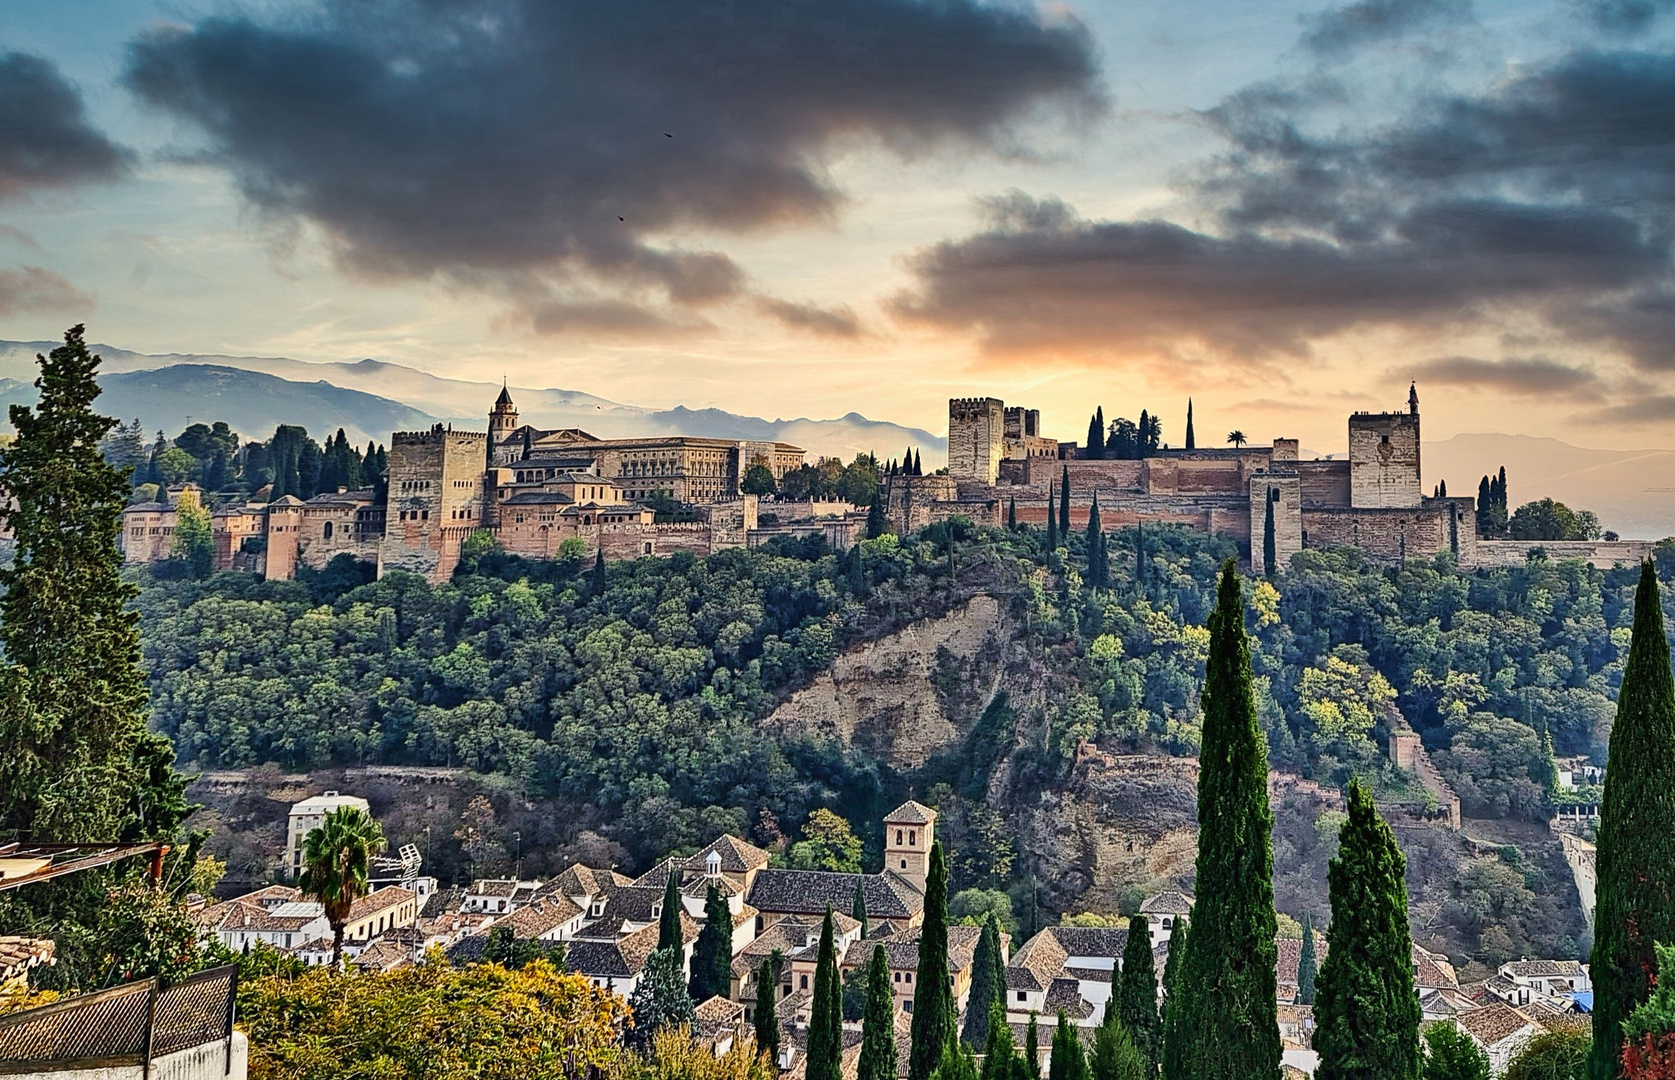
45 137
547 148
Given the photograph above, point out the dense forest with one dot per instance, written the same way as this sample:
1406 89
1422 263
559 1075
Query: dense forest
630 700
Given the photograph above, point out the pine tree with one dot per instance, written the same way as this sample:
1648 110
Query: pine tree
1032 1050
1307 966
1136 993
1636 858
1270 549
1052 522
1191 440
1224 1027
858 907
766 1019
985 963
1064 507
1452 1055
1115 1057
1367 1010
669 934
933 998
72 691
878 1023
1096 436
825 1025
712 954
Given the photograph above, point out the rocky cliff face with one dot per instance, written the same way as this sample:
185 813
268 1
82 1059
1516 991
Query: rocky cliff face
910 694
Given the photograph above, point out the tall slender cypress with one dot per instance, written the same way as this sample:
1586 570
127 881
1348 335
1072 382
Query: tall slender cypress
1366 1013
72 691
1000 1053
1136 996
668 920
1032 1050
1012 512
1172 959
1069 1062
878 1022
1191 440
1064 506
933 994
1115 1057
766 1018
985 991
712 954
858 907
1097 575
1270 548
1307 966
1096 436
1052 521
1225 1025
825 1024
1140 555
1636 890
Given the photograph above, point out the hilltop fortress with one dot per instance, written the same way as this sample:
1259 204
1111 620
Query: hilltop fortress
546 493
1373 500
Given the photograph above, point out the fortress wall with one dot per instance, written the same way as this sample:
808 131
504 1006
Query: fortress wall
1324 483
1602 554
1382 533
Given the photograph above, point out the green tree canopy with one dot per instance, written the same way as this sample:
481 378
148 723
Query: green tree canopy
336 862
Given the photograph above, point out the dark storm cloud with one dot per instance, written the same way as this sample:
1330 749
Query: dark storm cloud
1547 195
1532 376
556 137
45 139
1339 31
837 321
31 288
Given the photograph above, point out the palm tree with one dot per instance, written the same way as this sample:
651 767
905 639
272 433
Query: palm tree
336 859
1237 438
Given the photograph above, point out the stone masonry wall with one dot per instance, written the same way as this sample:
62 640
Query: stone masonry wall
976 435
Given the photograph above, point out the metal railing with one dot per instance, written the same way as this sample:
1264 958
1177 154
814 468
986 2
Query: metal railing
132 1024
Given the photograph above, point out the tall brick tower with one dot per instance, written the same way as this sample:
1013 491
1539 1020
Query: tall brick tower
976 438
1384 457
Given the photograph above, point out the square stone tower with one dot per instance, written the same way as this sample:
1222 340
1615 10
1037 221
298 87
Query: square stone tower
909 831
436 499
976 438
1384 458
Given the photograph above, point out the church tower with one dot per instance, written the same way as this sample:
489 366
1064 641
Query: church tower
503 418
909 831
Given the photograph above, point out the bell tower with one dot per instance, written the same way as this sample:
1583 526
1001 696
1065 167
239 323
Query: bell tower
503 418
909 831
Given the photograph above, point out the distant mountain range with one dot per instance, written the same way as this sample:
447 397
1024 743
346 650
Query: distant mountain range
370 398
1632 491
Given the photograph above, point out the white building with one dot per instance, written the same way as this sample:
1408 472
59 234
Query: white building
306 816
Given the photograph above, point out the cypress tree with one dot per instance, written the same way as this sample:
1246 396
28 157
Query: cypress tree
1636 858
1000 1053
1115 1056
878 1023
1064 506
1136 996
1052 521
1270 550
1096 436
72 692
918 464
712 954
1191 441
825 1025
1140 557
1307 966
858 907
1032 1050
766 1019
1225 1027
933 997
1367 1010
985 991
668 921
596 583
1172 960
956 1063
1148 442
1069 1062
1484 494
1096 576
1012 512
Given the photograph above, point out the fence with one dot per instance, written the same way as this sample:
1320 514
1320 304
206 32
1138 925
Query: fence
130 1025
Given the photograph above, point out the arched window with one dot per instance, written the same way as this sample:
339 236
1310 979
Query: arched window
327 531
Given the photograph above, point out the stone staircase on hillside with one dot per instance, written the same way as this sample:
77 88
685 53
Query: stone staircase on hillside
1408 754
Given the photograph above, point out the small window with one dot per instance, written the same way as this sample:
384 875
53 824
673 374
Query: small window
802 983
904 864
898 836
1022 996
907 976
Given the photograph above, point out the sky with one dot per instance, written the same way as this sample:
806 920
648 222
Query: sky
1284 210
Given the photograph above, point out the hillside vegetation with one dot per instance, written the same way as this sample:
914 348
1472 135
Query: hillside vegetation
628 715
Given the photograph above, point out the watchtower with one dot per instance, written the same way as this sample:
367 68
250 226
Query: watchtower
1384 457
909 831
976 438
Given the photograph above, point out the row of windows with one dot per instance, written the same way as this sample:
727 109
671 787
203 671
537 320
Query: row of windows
408 486
415 515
